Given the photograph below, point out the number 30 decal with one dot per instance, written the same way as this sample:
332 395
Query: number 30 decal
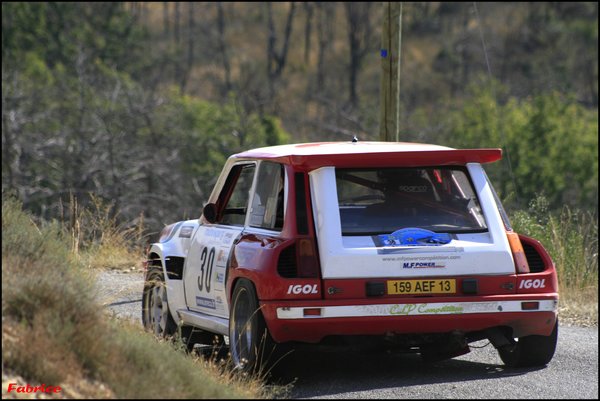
207 259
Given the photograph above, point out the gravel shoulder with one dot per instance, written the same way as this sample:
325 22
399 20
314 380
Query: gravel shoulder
120 292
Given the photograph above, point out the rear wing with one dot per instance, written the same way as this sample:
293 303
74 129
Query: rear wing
392 159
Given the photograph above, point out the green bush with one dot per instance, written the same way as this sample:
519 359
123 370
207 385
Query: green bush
570 237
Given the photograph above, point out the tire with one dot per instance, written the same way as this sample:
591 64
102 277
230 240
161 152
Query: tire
531 350
156 316
250 343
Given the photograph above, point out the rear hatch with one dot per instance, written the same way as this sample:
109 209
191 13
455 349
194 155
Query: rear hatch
409 231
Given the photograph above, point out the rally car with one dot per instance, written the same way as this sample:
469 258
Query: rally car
403 244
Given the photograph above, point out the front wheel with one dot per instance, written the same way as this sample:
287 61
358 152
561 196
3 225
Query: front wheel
156 316
250 344
530 350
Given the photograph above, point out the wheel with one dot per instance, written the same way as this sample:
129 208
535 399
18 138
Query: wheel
531 350
250 344
156 316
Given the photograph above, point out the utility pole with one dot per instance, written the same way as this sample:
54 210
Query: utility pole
391 38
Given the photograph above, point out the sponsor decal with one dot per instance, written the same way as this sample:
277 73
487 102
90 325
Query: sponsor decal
533 283
220 277
13 387
221 258
413 188
302 289
421 265
205 302
227 238
424 309
213 233
186 231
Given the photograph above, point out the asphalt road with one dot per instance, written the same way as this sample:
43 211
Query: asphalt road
325 372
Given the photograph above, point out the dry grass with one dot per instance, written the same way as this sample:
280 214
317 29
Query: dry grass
579 308
571 238
54 332
99 241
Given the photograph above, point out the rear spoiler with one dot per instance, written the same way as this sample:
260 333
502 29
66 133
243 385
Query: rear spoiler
394 159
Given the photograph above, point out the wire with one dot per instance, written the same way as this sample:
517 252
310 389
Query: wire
489 71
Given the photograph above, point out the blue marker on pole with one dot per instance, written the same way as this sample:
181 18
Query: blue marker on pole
383 53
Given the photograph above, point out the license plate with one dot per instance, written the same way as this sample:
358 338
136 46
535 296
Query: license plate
402 287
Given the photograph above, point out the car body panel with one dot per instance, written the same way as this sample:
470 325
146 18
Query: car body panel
347 289
345 257
205 269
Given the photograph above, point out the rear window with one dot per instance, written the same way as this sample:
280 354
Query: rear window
380 201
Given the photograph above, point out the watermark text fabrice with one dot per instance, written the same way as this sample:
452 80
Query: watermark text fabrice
13 387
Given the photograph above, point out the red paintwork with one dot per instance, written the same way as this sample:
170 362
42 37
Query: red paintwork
255 257
486 285
369 154
314 330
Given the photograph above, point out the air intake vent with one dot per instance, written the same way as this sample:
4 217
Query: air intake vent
286 267
534 259
174 266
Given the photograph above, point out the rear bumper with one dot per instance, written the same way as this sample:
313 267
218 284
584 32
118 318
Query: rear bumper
311 321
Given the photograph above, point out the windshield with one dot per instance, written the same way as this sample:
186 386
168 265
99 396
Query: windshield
379 201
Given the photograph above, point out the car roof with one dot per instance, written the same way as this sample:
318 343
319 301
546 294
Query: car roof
369 154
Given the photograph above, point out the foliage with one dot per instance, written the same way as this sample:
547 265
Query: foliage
140 103
54 332
99 133
62 32
550 146
570 237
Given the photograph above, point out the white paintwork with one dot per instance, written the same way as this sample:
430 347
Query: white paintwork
210 323
175 247
207 262
329 148
416 309
355 257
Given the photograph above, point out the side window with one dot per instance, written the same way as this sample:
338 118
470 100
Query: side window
235 210
267 204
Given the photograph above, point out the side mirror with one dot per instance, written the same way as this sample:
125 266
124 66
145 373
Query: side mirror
210 212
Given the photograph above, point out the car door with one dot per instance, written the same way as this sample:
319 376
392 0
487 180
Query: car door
206 265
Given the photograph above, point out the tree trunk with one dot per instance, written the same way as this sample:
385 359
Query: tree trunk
276 60
166 18
223 47
190 47
325 32
359 35
308 7
176 36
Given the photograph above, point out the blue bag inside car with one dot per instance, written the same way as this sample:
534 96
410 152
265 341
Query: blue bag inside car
414 236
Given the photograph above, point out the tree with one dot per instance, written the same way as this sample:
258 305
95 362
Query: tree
223 48
276 59
359 38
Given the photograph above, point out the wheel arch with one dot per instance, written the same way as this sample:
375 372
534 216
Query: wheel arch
156 260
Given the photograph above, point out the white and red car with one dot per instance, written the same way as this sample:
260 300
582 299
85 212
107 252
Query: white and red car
401 243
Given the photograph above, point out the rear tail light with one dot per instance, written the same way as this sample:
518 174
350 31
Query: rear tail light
518 253
308 264
532 305
299 260
312 312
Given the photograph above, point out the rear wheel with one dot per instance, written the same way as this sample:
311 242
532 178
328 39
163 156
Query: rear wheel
156 316
530 350
250 344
